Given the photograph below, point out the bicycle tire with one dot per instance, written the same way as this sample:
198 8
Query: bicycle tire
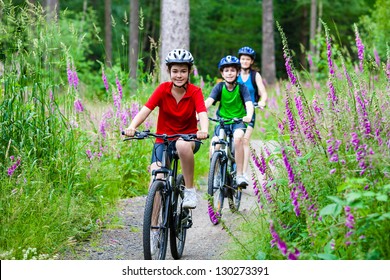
216 182
180 220
155 197
234 199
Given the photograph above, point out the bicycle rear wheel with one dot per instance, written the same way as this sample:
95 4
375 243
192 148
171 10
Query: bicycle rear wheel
180 220
234 198
216 182
155 220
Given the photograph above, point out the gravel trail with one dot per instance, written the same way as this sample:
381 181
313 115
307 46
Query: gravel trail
122 238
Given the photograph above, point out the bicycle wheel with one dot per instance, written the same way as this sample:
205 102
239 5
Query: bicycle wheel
234 199
180 220
216 182
155 210
234 194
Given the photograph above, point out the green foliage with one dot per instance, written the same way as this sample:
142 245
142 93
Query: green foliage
63 164
375 28
218 28
324 197
63 169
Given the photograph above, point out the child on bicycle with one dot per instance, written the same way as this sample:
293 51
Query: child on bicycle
253 81
234 102
179 103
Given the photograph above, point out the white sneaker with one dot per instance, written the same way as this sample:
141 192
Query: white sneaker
242 181
190 199
154 236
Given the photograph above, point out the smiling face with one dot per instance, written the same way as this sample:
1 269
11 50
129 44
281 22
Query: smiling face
246 61
229 74
179 74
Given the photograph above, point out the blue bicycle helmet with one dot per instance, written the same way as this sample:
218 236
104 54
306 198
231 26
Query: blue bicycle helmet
247 51
229 60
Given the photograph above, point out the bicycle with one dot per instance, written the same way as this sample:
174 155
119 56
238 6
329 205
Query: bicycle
222 174
164 202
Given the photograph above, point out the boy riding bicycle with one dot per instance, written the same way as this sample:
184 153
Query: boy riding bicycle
179 102
234 102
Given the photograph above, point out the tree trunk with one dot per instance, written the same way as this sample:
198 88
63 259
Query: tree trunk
268 69
175 30
313 22
133 42
108 32
304 37
52 8
316 50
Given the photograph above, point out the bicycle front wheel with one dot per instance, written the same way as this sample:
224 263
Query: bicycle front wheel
216 182
181 220
155 228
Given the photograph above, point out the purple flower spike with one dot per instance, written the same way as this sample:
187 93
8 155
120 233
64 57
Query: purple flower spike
377 58
213 215
290 73
70 76
78 106
119 87
104 78
360 48
288 167
12 169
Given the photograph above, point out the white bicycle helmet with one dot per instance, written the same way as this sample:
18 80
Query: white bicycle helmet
179 56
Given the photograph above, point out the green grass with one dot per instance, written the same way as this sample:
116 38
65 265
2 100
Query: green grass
62 174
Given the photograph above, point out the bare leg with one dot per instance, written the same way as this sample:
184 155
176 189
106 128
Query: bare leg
185 151
239 150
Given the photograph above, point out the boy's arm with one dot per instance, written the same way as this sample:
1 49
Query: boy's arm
204 126
208 102
138 120
261 90
248 103
249 112
215 95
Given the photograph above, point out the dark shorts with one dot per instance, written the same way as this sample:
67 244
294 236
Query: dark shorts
158 148
230 128
253 121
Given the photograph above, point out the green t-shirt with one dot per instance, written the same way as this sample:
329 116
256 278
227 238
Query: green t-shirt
231 103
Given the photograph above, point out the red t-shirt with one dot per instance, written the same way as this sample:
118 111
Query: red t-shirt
173 117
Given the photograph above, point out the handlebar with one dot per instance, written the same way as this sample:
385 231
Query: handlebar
256 105
223 121
139 135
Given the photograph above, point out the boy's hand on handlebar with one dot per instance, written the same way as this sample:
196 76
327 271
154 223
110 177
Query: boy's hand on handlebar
261 105
130 131
201 135
246 119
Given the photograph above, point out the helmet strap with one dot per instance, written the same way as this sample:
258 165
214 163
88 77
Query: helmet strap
183 86
232 83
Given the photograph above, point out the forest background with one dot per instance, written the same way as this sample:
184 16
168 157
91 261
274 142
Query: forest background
68 88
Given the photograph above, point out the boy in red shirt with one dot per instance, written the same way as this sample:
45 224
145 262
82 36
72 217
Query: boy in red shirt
179 102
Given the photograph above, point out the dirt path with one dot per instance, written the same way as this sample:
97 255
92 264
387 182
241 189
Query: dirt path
122 239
